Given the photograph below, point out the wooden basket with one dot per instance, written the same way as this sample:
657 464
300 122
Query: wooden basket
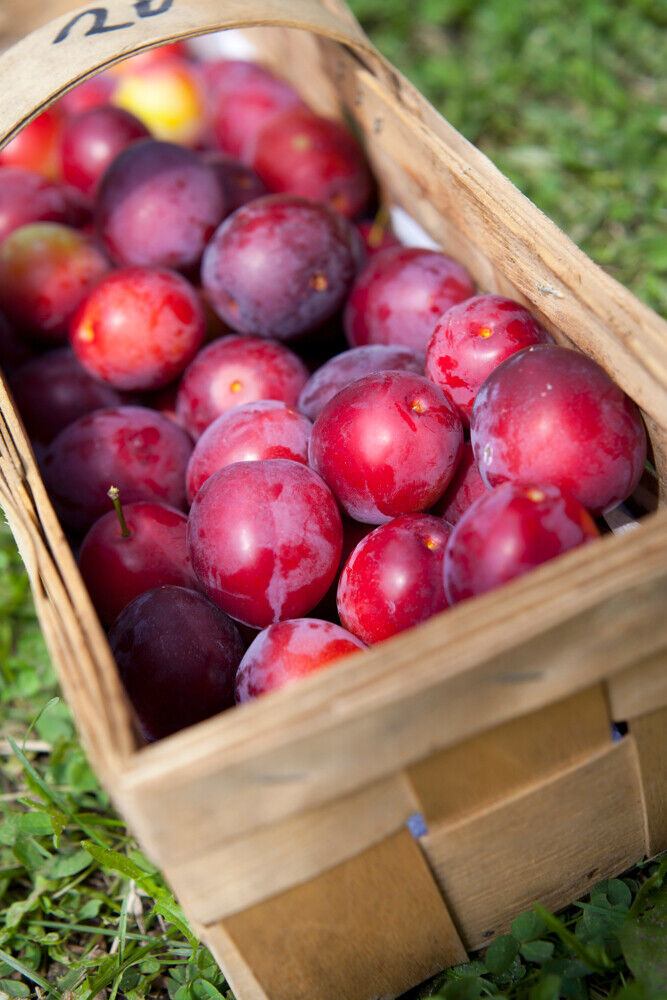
327 841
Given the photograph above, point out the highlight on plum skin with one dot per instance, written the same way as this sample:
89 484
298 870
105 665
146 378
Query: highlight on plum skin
53 390
236 370
388 444
394 578
243 98
92 140
466 487
177 655
509 531
46 269
265 540
401 294
289 650
339 371
141 452
301 153
139 328
252 294
147 549
473 338
158 204
551 415
250 433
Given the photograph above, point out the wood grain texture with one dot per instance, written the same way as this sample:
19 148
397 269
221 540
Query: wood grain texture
502 761
236 970
641 689
650 734
565 627
549 844
275 858
371 927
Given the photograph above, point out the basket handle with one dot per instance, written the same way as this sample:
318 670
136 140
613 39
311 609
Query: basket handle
54 58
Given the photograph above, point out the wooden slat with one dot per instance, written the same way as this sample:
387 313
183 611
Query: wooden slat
88 674
641 689
372 927
235 969
563 628
275 858
650 734
549 845
486 769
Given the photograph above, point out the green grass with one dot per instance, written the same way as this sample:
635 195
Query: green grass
569 101
567 97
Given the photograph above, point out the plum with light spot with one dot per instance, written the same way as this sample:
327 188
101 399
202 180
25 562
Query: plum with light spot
388 444
301 153
135 449
177 655
552 415
233 371
132 549
287 651
139 328
265 540
472 339
509 531
393 579
250 433
279 267
46 270
347 367
401 294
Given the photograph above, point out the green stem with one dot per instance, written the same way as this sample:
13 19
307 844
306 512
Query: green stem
114 496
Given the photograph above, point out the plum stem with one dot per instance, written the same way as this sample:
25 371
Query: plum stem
114 496
379 228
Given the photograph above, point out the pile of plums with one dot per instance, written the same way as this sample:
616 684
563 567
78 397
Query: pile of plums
273 434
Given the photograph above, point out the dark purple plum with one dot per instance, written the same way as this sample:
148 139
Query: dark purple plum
279 267
53 391
177 655
14 350
239 183
158 204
